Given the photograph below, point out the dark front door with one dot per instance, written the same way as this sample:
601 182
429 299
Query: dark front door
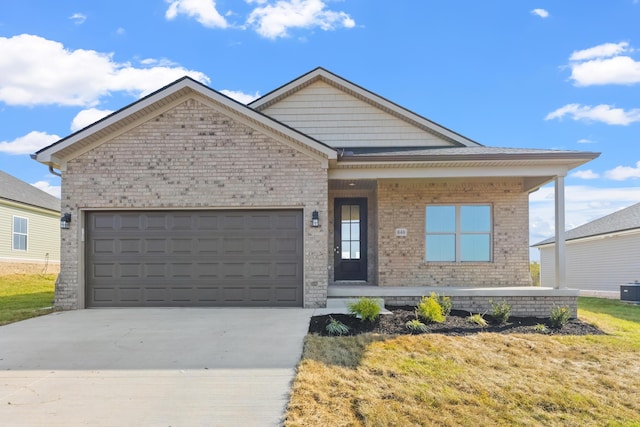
350 244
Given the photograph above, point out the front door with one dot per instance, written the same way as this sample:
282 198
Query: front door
350 241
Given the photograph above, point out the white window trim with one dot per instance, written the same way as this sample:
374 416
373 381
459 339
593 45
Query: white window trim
458 233
14 232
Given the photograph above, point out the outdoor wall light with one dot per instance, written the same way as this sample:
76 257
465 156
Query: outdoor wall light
315 219
65 220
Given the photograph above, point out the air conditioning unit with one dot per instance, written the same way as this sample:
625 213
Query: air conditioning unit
630 292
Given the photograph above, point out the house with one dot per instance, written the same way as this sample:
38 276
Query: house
319 189
600 255
29 228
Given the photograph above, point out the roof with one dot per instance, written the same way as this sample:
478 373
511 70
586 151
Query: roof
55 154
15 190
622 220
365 95
459 153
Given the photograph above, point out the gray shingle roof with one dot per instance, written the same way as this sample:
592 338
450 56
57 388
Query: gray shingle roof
622 220
11 188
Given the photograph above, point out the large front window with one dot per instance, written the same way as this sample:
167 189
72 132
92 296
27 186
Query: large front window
20 229
458 233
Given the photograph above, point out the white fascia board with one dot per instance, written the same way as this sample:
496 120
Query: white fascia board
592 238
428 171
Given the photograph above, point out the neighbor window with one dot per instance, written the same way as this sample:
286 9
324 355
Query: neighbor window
20 228
458 233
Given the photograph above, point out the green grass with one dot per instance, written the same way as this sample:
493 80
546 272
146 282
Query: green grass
483 379
23 296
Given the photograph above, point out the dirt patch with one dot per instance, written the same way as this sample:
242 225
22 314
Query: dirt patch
455 324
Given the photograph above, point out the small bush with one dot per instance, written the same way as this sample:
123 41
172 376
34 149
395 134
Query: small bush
430 309
365 308
478 320
446 304
416 326
336 327
559 317
501 312
541 328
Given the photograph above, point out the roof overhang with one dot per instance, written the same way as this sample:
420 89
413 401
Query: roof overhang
536 169
57 154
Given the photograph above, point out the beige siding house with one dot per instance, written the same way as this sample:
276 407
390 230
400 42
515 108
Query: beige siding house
600 256
316 191
29 228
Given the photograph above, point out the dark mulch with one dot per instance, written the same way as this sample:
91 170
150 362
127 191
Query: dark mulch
456 324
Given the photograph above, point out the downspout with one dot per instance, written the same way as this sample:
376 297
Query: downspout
54 172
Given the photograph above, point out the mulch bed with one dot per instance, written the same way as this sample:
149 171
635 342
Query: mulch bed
455 324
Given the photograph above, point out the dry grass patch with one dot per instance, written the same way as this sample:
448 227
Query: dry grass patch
483 379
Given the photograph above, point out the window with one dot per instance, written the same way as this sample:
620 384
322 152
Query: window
20 228
458 233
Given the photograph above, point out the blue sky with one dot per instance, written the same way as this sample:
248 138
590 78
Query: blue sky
535 74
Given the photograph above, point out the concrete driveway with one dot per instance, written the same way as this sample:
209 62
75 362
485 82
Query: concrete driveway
150 367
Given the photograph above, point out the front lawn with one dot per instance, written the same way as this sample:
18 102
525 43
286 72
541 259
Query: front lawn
483 379
25 295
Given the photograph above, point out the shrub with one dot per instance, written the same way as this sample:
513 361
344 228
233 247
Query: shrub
478 320
500 312
446 304
365 309
559 317
336 327
540 328
416 326
430 309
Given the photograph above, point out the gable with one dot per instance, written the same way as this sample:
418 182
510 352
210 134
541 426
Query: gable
341 120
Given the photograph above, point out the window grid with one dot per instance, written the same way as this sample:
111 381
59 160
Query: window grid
453 243
20 233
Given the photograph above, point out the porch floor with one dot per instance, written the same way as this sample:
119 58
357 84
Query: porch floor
355 291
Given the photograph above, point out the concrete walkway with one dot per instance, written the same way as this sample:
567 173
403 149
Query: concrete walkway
150 367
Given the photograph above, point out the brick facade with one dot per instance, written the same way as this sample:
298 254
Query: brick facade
194 156
402 203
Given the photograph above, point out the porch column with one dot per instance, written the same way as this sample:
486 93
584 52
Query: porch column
561 268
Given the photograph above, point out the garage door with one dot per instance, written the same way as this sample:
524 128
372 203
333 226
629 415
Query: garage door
194 258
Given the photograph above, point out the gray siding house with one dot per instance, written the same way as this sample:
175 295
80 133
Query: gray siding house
320 189
600 255
29 228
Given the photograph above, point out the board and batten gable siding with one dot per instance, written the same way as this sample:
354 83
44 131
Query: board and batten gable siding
595 264
342 120
194 156
43 235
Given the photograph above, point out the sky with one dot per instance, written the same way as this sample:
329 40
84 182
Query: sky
527 73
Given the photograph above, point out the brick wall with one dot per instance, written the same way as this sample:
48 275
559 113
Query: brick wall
401 204
524 306
193 156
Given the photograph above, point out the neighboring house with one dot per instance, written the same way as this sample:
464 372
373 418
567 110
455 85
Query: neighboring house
189 198
29 228
600 255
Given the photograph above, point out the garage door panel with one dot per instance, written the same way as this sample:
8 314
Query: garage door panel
196 258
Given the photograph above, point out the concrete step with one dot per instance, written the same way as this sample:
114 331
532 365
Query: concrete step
341 306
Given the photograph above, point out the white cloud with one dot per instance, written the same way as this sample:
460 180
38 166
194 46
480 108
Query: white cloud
78 18
37 71
586 174
600 113
204 11
30 143
242 97
605 50
54 190
586 141
604 64
622 173
86 117
120 31
274 19
540 12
